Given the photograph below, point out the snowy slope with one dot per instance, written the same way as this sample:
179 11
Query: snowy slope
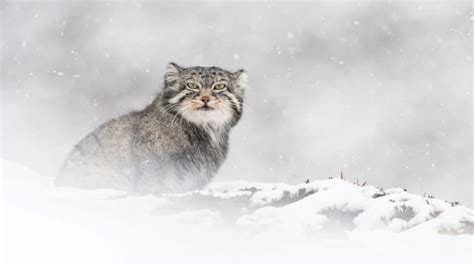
229 222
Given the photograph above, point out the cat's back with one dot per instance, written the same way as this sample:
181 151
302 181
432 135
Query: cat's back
103 152
114 146
111 138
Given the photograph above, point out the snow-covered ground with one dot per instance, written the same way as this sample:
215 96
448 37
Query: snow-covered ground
330 220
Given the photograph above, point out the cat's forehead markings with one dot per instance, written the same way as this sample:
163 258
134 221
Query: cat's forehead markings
208 74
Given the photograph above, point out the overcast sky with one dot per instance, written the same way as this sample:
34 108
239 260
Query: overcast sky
379 90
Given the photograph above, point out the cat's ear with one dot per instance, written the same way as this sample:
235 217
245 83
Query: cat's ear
240 78
172 73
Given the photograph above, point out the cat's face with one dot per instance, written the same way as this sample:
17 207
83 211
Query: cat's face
205 95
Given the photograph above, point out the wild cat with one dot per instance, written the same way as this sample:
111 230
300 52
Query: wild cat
176 144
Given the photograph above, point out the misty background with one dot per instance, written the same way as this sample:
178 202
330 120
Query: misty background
379 90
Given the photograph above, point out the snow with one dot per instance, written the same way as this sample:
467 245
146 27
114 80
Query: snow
238 221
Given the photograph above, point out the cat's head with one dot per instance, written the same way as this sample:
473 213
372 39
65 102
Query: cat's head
204 95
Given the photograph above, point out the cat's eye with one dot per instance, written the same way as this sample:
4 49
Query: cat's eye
219 87
192 86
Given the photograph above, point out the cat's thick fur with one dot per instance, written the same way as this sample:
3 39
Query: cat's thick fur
176 144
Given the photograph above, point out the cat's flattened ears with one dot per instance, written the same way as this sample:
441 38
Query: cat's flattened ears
241 80
172 73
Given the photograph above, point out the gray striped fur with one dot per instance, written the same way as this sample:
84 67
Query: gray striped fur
175 144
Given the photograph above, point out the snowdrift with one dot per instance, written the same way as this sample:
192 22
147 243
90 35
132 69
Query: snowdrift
241 221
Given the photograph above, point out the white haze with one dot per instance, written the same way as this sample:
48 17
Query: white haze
379 90
228 222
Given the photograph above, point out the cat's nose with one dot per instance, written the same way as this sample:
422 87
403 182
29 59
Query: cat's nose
205 99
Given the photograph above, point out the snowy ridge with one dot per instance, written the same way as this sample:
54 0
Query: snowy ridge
335 201
53 225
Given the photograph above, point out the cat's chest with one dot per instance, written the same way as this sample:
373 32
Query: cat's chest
213 146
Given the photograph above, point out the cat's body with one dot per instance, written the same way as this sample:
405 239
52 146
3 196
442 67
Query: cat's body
175 144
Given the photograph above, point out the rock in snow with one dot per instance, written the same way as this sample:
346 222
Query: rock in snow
229 222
